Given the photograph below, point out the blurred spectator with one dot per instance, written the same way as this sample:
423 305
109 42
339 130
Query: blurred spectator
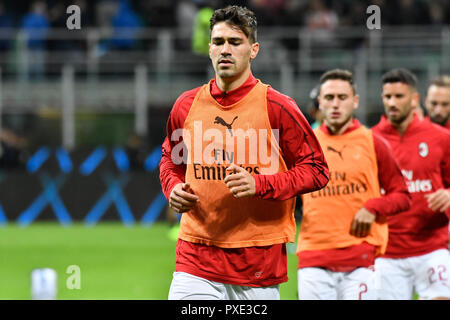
35 25
447 13
200 34
57 18
241 3
57 15
293 12
136 150
354 13
159 13
87 9
6 22
355 16
105 10
321 21
411 12
436 13
185 15
293 15
70 43
126 24
269 12
12 148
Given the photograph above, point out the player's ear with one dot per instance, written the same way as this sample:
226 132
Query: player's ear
319 100
355 101
255 50
382 93
427 104
415 101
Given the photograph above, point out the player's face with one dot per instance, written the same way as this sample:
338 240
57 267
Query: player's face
399 101
437 103
231 51
337 102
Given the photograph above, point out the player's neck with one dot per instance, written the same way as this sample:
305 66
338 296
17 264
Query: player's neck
337 130
228 84
403 126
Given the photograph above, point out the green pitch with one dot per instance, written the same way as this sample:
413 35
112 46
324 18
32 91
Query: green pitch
116 262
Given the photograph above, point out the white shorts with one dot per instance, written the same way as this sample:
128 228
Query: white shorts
189 287
323 284
428 275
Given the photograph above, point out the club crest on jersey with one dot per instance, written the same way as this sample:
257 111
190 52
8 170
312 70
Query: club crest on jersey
423 149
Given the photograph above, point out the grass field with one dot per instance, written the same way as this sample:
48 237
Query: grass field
116 262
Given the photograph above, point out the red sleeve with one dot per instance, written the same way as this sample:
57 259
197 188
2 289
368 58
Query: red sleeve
170 173
396 197
301 151
445 166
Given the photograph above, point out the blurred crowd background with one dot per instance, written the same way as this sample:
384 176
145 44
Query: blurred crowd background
169 13
112 82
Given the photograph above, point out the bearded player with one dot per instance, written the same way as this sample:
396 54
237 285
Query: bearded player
417 258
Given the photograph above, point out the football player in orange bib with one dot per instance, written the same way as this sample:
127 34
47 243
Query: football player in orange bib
344 224
237 153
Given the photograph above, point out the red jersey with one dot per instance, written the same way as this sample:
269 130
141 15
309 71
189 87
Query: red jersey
423 154
307 171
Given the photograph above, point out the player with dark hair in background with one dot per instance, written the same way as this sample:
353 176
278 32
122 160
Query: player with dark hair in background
437 104
417 258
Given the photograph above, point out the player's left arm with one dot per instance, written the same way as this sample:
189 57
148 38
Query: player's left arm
439 200
300 149
240 182
396 197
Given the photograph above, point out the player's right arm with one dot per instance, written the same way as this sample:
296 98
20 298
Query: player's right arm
181 199
439 200
172 173
362 222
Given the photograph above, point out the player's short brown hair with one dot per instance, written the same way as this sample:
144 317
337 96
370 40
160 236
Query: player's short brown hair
338 74
441 81
240 17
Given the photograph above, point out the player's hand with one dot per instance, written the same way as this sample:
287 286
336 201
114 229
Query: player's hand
240 182
181 199
361 223
439 200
